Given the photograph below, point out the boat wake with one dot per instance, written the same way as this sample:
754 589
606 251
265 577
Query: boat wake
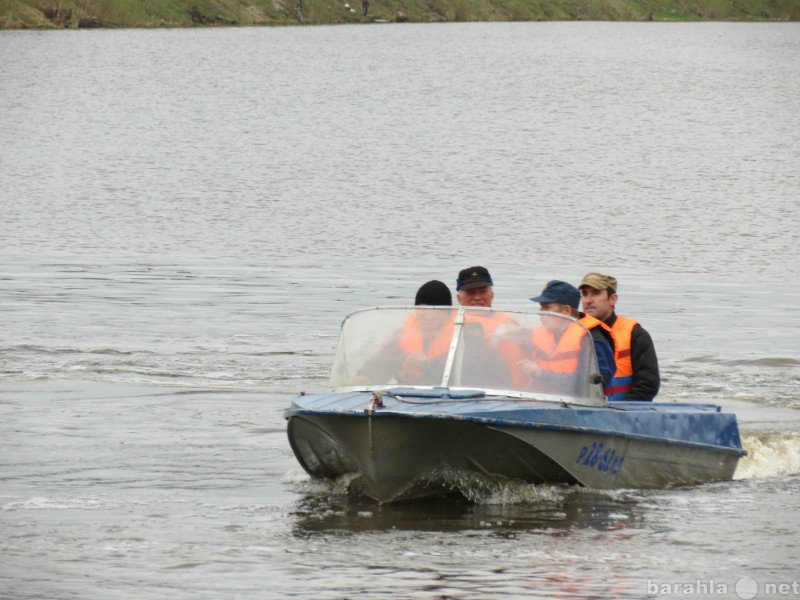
769 454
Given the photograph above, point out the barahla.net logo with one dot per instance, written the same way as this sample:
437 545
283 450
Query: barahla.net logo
745 588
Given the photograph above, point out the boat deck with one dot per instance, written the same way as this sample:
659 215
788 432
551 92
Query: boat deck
677 423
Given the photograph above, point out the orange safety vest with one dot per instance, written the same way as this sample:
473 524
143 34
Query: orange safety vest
412 342
622 382
489 323
591 323
510 352
558 356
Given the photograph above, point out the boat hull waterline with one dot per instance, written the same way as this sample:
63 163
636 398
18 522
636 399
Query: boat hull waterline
402 452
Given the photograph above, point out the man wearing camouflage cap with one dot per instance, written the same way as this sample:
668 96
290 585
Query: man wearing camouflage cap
637 376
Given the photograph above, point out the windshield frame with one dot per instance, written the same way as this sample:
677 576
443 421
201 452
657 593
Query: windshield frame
590 392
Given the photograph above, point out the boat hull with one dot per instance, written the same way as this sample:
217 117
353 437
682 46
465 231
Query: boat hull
400 452
607 461
400 458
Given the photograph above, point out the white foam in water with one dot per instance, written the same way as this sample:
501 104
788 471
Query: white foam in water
769 455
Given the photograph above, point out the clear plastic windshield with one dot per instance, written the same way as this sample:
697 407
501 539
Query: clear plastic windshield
522 354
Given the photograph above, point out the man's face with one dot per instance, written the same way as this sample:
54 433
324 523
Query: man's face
598 303
432 320
480 296
552 323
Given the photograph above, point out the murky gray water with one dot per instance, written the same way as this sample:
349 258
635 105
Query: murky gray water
188 215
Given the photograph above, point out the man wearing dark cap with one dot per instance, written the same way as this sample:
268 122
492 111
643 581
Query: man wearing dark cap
474 287
637 375
562 297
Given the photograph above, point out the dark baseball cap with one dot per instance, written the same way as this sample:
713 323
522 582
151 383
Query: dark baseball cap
561 292
473 277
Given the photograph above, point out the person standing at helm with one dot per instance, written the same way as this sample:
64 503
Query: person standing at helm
637 376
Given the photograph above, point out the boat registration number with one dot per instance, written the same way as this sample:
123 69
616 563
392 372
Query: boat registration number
597 455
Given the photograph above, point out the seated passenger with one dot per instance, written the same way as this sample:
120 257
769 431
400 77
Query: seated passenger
416 355
426 335
636 376
479 363
558 346
475 288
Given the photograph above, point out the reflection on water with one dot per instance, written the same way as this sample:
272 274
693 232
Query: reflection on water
570 542
534 508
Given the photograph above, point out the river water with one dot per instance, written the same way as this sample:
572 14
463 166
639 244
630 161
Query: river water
187 216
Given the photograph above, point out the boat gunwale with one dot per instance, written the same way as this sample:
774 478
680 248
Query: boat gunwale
384 413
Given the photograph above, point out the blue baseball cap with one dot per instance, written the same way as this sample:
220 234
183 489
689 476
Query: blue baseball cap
561 292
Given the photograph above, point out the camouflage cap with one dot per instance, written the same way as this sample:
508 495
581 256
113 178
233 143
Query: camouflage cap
599 281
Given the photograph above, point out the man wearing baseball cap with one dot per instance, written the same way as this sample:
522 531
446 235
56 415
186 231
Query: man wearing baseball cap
637 376
475 288
562 297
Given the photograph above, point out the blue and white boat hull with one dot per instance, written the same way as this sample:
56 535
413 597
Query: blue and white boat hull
403 450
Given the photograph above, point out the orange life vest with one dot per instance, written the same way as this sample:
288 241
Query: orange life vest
509 351
412 341
622 382
489 322
591 323
558 356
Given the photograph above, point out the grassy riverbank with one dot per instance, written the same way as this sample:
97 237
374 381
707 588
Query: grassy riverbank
50 14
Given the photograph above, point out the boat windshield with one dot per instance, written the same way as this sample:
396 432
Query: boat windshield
539 355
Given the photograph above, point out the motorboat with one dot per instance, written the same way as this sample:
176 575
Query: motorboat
422 399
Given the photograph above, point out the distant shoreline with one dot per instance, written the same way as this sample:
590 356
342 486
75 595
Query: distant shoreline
90 14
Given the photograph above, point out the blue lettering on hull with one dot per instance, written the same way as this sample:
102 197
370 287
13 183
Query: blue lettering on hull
598 456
